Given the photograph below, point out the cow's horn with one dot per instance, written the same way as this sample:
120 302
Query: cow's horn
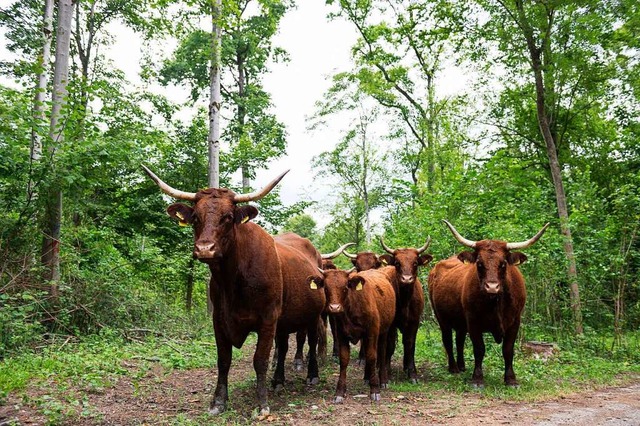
256 195
462 240
384 246
425 246
321 270
175 193
349 255
525 244
337 252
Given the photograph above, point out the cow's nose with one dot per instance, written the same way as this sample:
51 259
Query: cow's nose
406 279
335 307
492 287
205 251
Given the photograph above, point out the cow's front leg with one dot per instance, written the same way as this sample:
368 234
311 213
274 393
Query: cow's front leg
478 354
261 363
221 394
408 360
507 354
344 353
370 366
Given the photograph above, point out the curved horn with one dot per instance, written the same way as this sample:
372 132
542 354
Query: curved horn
175 193
425 246
321 271
256 195
462 240
337 252
351 270
384 246
525 244
350 256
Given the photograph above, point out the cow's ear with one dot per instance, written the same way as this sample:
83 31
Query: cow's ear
356 283
315 282
517 258
183 213
423 259
467 257
386 259
245 213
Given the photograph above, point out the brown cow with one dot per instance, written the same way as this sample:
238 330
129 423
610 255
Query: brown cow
409 300
251 276
327 263
364 261
480 291
363 305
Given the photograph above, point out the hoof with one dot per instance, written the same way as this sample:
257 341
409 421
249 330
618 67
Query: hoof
513 384
375 397
312 381
361 362
338 400
384 385
454 370
216 410
278 387
477 385
265 411
413 380
298 365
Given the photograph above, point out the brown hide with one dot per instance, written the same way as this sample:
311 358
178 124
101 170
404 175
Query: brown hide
363 306
480 291
302 305
402 271
365 260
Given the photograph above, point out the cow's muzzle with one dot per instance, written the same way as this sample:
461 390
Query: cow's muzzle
492 287
407 279
335 308
205 251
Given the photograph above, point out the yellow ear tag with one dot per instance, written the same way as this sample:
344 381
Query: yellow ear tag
245 219
466 262
313 285
359 286
181 223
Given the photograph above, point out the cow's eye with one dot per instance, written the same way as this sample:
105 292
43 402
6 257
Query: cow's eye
228 217
503 265
480 265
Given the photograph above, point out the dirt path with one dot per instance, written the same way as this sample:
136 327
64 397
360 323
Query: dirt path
181 397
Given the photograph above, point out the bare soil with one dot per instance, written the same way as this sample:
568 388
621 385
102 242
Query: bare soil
157 396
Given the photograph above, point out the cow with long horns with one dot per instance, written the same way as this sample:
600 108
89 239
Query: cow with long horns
480 291
409 300
254 281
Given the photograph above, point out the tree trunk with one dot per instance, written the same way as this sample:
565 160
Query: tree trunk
554 166
39 115
242 113
53 210
214 109
189 285
215 98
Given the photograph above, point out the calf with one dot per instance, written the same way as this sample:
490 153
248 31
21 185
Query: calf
480 291
363 305
409 300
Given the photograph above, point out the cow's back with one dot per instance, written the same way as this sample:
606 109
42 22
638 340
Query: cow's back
381 298
446 284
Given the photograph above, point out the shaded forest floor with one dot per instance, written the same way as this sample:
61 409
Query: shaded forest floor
147 391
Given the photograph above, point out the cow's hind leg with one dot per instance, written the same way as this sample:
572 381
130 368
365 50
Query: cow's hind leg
298 361
382 363
282 340
461 335
447 342
312 358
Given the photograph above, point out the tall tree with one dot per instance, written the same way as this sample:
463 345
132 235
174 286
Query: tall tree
215 99
402 47
53 209
557 61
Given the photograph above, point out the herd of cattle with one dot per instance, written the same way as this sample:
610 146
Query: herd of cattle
278 285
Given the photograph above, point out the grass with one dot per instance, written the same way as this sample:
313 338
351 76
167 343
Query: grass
56 381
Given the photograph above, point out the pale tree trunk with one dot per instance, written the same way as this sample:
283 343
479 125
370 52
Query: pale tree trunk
39 115
215 103
246 183
554 164
53 213
215 99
